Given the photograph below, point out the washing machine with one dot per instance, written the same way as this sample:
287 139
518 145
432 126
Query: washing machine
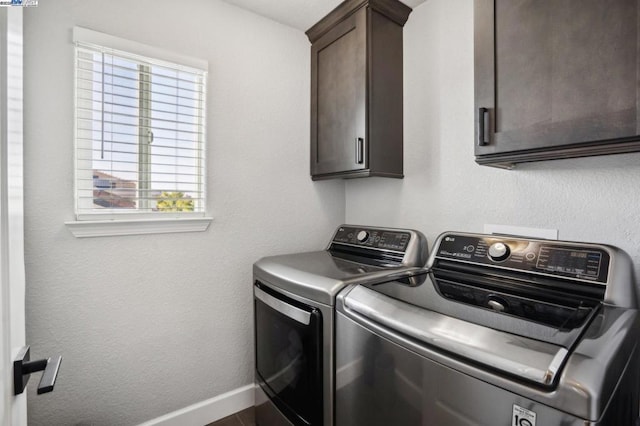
498 331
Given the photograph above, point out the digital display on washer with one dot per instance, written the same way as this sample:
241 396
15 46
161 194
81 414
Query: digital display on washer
584 263
394 240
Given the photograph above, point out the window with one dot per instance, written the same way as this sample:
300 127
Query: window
139 130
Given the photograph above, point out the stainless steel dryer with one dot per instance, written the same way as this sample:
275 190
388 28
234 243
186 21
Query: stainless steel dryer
294 316
502 331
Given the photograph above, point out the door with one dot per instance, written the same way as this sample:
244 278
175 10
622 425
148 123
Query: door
338 98
288 337
13 409
555 79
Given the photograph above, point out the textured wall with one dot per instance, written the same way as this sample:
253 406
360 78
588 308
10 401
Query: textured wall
589 199
150 324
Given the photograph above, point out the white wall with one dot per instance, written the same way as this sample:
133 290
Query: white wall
589 199
149 324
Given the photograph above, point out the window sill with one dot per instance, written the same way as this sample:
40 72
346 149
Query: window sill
110 228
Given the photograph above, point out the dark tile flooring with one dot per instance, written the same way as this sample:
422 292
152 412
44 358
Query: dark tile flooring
241 418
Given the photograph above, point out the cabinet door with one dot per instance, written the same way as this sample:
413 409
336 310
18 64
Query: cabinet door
555 79
338 99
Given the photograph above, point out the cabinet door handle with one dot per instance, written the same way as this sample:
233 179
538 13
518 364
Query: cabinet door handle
359 150
484 127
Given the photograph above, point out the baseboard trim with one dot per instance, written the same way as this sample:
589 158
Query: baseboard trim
208 411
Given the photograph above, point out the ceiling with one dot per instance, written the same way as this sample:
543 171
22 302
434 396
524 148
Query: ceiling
301 14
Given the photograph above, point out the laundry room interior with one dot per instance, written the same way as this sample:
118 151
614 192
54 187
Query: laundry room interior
157 327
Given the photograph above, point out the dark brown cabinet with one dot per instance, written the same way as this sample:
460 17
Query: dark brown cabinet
556 79
356 90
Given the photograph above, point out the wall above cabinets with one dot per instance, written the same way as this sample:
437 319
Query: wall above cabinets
555 79
356 90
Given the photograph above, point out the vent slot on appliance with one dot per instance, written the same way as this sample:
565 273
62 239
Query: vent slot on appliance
556 303
367 256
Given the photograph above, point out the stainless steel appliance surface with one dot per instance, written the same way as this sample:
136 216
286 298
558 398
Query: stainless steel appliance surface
294 298
501 330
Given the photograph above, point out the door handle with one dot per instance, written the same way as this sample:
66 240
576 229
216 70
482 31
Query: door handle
484 127
359 150
296 314
23 367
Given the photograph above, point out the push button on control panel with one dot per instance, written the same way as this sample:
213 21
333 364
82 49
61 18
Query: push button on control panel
499 252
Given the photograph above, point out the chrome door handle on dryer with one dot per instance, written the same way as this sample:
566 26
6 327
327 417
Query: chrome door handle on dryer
284 308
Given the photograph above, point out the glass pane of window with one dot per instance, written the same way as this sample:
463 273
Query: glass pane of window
115 169
139 134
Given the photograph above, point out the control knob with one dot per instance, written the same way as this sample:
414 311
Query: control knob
362 236
499 252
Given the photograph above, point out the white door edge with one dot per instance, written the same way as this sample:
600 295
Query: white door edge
13 409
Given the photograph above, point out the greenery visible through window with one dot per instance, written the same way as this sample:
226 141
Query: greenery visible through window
139 134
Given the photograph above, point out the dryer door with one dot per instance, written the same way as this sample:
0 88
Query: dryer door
289 354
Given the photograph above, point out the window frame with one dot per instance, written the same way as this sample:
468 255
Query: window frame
128 222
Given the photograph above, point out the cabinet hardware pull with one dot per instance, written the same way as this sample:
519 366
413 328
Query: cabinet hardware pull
359 150
484 127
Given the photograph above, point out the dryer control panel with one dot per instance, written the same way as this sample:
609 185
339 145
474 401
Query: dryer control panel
396 240
385 247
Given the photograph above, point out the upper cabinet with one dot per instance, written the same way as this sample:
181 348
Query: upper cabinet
356 90
555 79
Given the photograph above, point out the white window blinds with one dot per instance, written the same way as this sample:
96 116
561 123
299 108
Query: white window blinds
140 132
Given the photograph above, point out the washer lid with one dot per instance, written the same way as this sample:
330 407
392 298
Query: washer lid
444 297
529 359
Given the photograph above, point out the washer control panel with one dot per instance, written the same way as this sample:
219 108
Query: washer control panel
384 239
499 251
587 262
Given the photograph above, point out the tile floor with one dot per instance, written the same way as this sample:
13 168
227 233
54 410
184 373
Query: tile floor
241 418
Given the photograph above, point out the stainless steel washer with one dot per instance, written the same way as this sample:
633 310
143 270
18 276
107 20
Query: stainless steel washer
294 316
501 331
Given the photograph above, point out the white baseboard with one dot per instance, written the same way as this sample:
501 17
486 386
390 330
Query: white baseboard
205 412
